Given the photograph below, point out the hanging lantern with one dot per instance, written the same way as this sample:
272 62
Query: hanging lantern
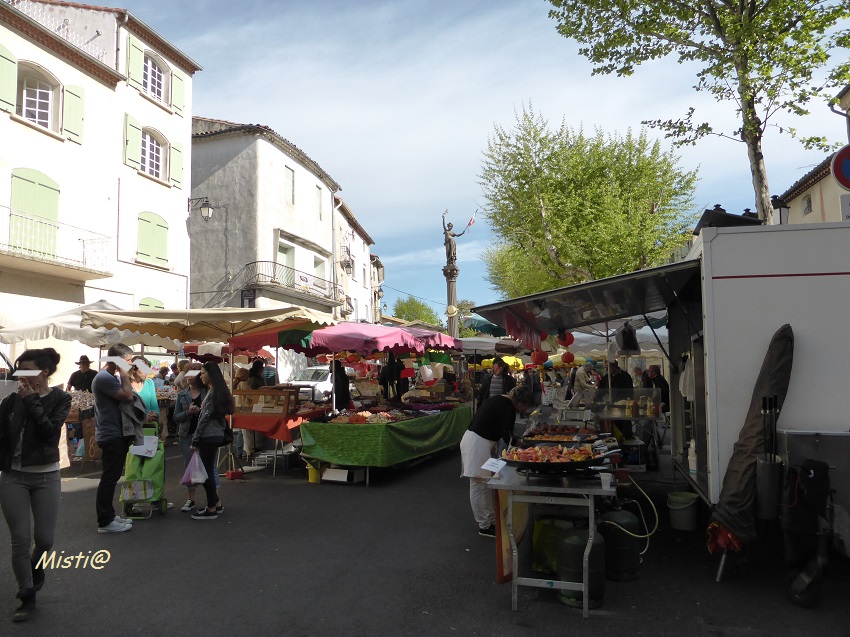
539 357
568 357
544 336
569 339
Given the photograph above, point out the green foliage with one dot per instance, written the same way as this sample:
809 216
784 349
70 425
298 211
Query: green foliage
567 208
412 309
464 309
763 56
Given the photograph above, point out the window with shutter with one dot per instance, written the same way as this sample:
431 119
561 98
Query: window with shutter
132 142
8 79
177 92
135 63
150 303
33 224
72 116
152 246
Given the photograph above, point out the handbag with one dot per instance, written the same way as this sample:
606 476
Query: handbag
195 472
228 436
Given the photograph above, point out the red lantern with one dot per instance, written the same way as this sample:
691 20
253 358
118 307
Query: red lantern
539 357
568 357
569 339
544 336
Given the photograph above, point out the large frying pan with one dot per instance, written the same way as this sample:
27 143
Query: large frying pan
560 467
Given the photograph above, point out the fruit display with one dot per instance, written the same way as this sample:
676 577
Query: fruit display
534 436
81 400
166 393
366 417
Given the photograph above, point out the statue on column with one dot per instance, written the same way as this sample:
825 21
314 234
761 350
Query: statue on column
449 240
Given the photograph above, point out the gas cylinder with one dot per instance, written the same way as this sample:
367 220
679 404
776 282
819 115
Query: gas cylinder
622 551
570 560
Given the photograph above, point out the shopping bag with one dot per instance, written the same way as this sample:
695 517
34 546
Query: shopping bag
228 436
195 471
136 490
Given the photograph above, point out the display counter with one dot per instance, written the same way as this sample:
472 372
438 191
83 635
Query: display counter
276 426
384 444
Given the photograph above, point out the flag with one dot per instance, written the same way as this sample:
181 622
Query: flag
471 221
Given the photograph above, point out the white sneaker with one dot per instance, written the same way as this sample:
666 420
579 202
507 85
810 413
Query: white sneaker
190 504
125 521
115 527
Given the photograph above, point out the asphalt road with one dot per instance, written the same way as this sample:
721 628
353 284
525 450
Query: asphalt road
399 557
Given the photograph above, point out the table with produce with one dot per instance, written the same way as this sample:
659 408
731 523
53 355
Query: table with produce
383 437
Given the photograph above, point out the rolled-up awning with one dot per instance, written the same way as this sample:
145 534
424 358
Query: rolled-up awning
622 296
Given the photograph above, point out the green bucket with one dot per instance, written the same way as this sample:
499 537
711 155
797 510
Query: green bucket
683 510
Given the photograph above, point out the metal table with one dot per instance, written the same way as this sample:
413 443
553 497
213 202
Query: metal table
553 490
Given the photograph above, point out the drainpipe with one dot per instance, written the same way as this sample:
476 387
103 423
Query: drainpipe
335 257
118 37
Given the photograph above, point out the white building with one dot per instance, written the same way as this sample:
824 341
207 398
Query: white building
816 197
355 269
270 240
95 123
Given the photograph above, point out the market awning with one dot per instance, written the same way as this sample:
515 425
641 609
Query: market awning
214 324
626 295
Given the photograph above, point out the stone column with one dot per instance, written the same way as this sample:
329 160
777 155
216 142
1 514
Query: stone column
450 271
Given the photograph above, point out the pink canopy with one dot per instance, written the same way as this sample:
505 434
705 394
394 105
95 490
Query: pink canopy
362 338
434 340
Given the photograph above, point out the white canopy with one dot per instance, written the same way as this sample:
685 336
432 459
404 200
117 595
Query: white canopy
488 345
65 326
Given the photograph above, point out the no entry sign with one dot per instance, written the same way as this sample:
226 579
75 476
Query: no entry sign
841 167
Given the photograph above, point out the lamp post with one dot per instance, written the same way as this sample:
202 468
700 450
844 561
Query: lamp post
780 207
205 207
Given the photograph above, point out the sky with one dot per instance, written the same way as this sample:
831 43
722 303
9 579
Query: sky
396 101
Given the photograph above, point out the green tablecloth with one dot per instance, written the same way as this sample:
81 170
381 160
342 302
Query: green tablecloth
383 445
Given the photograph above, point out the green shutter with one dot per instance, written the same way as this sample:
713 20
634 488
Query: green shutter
150 303
177 94
135 62
153 239
175 163
35 211
72 116
132 143
8 79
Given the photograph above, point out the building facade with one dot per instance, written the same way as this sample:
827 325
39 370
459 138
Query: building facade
95 118
278 235
817 197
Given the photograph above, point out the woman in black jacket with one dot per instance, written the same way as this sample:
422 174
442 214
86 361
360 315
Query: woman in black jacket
31 422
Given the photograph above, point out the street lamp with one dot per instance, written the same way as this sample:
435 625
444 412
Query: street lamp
205 207
781 207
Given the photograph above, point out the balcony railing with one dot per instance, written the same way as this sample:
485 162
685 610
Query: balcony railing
40 13
269 272
48 241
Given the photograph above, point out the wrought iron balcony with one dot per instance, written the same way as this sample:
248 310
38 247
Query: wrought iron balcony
269 272
52 247
41 14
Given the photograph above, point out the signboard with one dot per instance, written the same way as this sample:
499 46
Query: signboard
841 167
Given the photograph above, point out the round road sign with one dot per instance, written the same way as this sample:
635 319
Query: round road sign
841 167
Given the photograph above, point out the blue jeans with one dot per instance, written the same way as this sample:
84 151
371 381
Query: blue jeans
20 494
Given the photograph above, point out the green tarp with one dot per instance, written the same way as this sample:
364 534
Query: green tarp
384 445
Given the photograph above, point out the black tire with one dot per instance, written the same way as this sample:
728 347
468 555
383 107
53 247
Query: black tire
128 510
807 597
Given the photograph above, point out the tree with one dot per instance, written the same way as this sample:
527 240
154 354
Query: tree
464 311
412 309
567 208
763 55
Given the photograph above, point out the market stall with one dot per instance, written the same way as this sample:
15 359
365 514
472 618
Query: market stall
384 444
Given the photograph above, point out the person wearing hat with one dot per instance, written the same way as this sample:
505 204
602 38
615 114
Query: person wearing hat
81 379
